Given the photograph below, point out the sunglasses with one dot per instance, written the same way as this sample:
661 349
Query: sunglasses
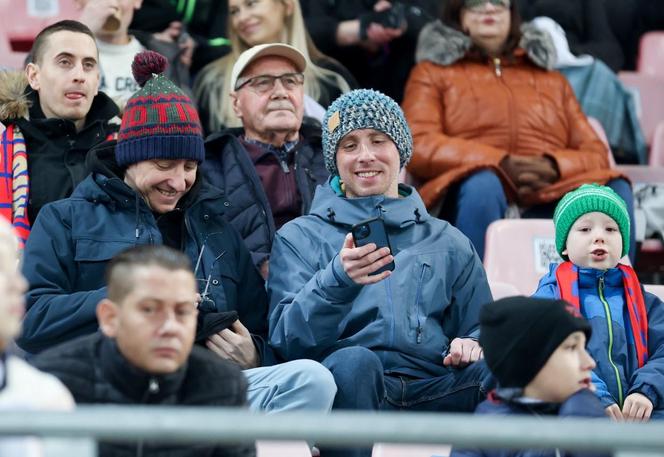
478 4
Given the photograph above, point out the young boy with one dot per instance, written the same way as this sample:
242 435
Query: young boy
553 379
592 233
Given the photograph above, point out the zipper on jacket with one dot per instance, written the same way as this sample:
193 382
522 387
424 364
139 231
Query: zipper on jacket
609 324
418 299
497 67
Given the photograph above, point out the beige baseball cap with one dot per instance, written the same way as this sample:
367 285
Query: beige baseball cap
262 50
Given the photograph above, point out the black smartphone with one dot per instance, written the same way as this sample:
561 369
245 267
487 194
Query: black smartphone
372 231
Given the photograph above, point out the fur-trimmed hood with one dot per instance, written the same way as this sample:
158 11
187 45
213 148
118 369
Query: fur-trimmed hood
14 103
444 45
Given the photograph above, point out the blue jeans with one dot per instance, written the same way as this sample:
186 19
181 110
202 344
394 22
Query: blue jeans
362 384
480 199
296 385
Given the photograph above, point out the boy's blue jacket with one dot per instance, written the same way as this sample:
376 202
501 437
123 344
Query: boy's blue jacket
601 296
433 296
581 404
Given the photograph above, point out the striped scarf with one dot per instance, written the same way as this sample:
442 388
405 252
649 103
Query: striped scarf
14 186
567 276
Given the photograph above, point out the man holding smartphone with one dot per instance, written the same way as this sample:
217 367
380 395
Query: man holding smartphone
401 339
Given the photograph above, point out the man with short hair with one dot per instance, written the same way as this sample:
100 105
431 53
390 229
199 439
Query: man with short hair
54 115
146 190
401 339
145 352
271 166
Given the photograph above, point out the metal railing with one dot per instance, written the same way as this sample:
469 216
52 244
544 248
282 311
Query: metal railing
222 425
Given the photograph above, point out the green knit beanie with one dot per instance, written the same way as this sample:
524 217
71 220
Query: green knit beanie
587 199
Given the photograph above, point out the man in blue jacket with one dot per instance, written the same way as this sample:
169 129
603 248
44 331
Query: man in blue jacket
401 339
145 190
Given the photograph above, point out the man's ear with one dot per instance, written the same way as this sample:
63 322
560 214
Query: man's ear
138 4
108 314
289 7
565 252
236 104
32 73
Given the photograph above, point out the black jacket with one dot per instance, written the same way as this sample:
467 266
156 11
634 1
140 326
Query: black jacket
95 372
228 166
57 152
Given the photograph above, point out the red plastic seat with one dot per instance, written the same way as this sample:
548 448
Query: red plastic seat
410 450
650 100
651 54
656 158
282 449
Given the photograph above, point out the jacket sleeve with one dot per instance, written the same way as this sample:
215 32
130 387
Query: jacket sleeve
54 313
602 390
433 150
321 24
585 151
306 304
648 379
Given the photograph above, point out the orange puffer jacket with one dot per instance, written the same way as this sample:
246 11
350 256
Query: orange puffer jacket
467 114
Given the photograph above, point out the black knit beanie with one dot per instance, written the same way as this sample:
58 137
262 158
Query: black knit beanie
519 334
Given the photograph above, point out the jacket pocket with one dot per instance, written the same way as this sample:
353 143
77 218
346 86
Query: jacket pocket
87 250
421 275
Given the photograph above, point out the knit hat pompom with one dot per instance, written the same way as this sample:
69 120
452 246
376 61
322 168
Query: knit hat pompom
364 109
586 199
146 64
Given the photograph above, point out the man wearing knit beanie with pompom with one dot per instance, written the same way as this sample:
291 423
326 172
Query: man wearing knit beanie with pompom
404 338
145 190
592 235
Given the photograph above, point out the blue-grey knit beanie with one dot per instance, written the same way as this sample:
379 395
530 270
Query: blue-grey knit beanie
364 109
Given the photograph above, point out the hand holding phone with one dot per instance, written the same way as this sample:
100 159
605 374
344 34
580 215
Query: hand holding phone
373 231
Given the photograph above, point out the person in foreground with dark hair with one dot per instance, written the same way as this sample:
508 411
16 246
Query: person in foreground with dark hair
554 379
54 115
145 352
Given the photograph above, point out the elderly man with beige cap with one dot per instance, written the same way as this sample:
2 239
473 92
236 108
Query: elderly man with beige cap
271 166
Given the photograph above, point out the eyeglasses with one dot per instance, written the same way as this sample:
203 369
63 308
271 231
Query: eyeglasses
477 5
265 83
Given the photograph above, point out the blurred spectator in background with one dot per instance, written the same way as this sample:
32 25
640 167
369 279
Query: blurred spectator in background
21 386
586 24
145 352
492 125
375 39
253 22
109 20
53 118
202 20
270 167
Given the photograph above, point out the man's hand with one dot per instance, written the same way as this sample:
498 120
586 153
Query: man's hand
530 173
95 12
358 263
463 352
637 407
175 33
235 344
613 411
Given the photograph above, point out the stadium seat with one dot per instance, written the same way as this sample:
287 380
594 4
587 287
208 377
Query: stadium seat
601 133
656 158
410 450
649 92
519 251
282 449
655 289
502 289
651 54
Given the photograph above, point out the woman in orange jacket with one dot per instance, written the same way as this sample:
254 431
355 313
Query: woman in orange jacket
492 124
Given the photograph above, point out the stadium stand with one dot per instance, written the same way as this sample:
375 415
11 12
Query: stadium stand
651 54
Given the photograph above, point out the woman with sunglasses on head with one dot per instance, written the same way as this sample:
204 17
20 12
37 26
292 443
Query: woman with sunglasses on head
492 124
254 22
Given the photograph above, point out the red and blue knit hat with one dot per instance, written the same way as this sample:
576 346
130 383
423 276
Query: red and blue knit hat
160 120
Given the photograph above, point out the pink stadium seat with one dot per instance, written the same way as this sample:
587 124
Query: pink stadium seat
599 130
502 289
410 450
282 449
656 289
650 100
651 54
656 158
22 20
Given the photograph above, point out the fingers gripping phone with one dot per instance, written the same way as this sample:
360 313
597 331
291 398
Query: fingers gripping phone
372 231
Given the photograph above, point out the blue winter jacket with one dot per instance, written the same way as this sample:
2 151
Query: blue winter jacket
73 240
581 404
601 296
433 295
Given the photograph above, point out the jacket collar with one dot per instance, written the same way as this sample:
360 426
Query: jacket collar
140 386
589 277
443 45
396 212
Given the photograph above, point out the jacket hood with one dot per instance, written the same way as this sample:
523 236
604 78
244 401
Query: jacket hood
396 212
14 102
443 45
